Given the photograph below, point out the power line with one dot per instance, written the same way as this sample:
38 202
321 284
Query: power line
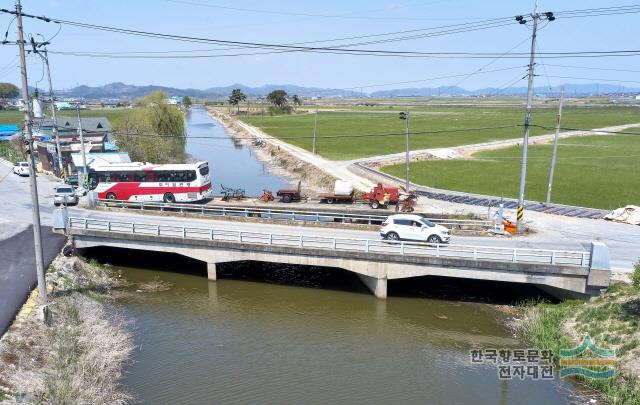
294 48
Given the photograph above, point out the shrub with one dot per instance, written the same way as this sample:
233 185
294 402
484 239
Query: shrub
635 276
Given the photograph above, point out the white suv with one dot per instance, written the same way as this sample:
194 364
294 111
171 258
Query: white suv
21 169
413 227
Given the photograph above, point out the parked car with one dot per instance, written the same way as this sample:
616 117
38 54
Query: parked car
21 169
65 195
413 227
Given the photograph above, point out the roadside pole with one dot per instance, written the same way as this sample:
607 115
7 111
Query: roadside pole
315 127
535 16
33 185
84 158
555 146
405 116
54 115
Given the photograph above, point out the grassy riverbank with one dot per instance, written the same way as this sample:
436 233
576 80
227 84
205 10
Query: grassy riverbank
80 357
297 129
612 321
594 171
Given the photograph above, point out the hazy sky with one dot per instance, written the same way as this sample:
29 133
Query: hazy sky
300 21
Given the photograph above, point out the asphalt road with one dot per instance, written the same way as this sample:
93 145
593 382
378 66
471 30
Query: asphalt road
18 269
17 257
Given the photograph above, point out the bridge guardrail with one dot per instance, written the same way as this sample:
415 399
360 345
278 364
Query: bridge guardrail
287 214
516 255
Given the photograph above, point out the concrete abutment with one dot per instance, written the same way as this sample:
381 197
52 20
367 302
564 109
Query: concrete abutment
378 286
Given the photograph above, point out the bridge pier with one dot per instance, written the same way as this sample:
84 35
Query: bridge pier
378 286
212 275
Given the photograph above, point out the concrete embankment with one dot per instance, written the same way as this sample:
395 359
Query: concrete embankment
80 356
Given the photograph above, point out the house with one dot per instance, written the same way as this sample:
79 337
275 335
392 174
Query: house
97 139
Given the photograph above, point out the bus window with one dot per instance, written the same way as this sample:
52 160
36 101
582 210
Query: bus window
139 176
123 177
204 170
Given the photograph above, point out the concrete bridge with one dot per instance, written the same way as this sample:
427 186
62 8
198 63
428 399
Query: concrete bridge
561 273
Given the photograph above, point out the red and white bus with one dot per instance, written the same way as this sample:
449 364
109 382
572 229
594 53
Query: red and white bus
148 182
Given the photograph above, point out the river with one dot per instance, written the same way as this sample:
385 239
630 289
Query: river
268 333
232 164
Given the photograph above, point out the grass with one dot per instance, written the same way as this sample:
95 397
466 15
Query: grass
612 321
114 115
298 128
594 171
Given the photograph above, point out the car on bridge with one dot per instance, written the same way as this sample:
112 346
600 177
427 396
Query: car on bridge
413 227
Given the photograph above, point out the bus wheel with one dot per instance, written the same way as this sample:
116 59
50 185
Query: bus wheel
169 198
111 196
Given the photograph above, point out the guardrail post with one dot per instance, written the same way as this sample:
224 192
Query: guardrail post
109 226
553 257
369 220
475 253
269 214
437 250
271 239
366 245
515 255
584 260
133 228
184 232
333 243
224 211
202 209
317 217
402 248
301 243
210 233
85 223
158 230
246 212
240 235
142 205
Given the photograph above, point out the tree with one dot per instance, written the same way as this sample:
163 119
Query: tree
153 132
186 101
236 97
8 90
278 98
296 100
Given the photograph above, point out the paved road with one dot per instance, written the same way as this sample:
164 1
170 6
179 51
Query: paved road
18 269
17 262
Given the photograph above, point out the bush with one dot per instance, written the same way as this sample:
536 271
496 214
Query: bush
280 110
635 276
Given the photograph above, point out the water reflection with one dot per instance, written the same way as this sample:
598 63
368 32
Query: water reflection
294 336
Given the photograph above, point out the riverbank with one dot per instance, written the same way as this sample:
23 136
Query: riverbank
80 357
612 321
280 162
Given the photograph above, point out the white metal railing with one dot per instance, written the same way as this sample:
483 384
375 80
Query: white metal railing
287 214
500 254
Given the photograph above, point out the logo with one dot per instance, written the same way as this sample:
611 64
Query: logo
587 360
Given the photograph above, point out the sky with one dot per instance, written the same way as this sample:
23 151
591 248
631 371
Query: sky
281 22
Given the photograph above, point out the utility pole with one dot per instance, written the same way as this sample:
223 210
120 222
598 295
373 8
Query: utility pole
54 115
405 116
527 117
84 158
33 185
315 127
555 146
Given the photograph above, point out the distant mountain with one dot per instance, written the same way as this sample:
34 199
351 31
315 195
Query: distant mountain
570 90
121 91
